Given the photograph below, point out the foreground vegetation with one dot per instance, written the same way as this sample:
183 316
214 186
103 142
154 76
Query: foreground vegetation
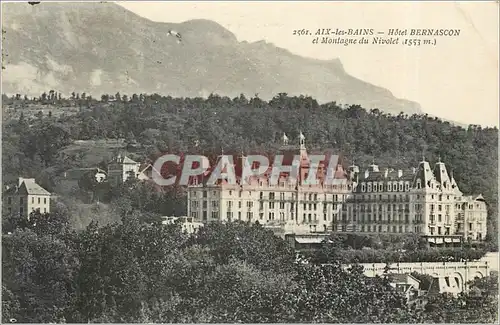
128 268
141 272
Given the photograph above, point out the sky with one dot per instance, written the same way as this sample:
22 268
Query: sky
457 79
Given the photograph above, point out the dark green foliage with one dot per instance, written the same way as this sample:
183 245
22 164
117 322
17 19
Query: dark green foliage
160 124
143 272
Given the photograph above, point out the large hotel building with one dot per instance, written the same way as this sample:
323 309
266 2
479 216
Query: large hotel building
425 200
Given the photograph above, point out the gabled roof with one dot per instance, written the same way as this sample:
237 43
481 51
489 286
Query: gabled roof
401 278
147 167
29 187
127 160
123 160
424 174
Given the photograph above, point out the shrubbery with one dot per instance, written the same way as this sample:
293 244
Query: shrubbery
142 272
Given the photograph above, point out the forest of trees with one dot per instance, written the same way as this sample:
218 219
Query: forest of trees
134 271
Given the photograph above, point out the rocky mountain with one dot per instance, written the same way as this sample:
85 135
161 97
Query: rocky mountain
102 48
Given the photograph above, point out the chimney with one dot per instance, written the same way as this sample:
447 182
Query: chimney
367 173
400 173
414 170
386 172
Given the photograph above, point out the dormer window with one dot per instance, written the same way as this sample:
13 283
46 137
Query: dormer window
389 187
363 187
419 183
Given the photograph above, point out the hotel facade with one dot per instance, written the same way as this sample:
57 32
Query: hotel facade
424 200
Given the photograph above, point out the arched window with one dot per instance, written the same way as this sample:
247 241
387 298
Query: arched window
363 187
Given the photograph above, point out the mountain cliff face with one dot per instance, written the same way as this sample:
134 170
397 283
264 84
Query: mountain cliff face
102 48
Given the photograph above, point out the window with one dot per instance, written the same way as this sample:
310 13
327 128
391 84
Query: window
9 200
21 201
204 193
33 200
44 200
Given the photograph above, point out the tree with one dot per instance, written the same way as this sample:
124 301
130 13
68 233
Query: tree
38 273
45 140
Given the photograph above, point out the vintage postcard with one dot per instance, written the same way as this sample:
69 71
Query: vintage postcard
250 162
